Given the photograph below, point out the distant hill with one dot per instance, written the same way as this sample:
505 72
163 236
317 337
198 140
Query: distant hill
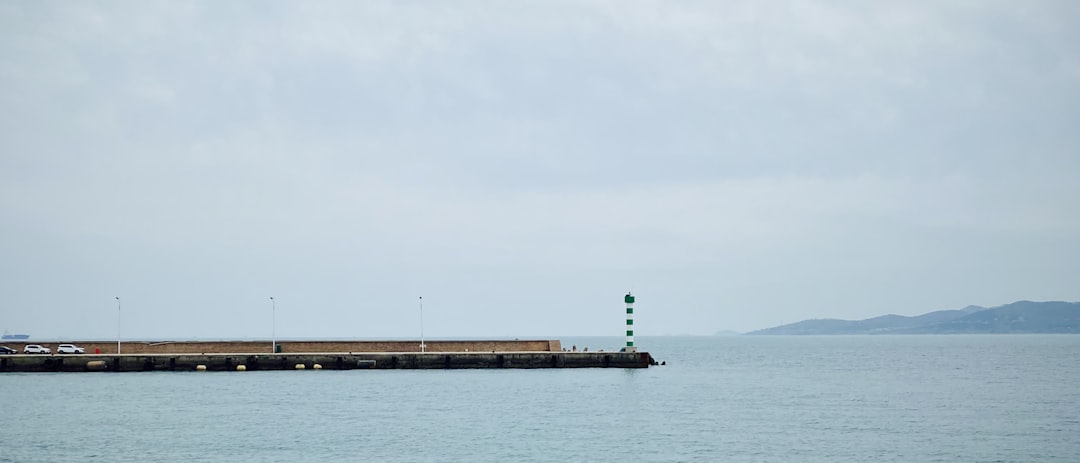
1018 317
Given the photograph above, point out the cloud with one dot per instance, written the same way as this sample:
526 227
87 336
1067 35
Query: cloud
801 158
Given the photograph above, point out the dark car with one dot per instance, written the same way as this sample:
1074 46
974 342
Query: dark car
7 350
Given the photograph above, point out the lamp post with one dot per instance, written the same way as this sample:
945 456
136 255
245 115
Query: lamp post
273 326
423 348
117 325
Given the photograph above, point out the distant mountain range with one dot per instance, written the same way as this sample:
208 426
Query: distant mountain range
1018 317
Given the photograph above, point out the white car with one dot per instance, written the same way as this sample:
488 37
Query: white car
69 349
36 349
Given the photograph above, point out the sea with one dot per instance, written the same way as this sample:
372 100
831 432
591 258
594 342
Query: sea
962 398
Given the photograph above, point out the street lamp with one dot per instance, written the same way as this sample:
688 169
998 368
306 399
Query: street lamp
423 348
117 325
273 328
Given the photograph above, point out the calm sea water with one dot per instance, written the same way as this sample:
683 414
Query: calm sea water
806 399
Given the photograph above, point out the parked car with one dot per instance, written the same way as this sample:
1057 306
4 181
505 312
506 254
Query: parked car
7 350
69 349
36 349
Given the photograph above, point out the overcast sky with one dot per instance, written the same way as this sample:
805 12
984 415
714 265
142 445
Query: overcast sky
521 165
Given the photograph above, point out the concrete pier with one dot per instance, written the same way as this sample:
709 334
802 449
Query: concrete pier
324 360
291 346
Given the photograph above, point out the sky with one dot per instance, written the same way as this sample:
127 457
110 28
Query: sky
522 165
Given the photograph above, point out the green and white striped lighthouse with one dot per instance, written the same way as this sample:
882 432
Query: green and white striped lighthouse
630 323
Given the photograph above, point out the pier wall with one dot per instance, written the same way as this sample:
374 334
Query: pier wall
326 361
286 346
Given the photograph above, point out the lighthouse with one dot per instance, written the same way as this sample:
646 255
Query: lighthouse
630 323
